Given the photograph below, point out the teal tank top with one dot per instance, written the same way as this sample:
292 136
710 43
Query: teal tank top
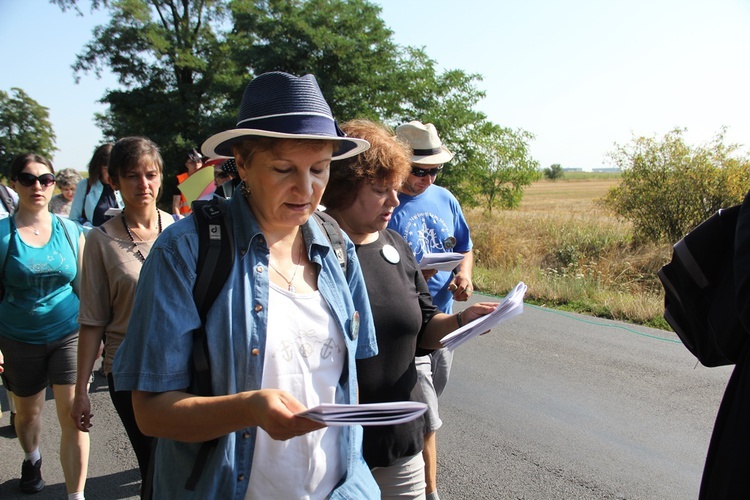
39 304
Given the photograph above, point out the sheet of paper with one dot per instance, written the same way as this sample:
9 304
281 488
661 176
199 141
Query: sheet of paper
365 414
511 306
112 211
446 261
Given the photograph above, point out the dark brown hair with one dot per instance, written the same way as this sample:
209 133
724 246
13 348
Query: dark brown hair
129 152
20 162
99 159
387 160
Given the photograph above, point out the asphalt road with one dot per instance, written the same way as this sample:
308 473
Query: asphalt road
550 405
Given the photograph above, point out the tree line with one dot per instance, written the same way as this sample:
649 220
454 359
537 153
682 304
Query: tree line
182 66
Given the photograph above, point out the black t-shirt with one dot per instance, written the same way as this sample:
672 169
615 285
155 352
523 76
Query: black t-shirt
401 306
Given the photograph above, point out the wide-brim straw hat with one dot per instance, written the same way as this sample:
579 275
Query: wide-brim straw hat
427 149
284 106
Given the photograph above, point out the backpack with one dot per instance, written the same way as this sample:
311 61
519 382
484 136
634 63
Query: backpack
215 261
699 291
7 200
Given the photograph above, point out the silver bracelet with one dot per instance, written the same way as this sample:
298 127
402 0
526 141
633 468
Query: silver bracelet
459 320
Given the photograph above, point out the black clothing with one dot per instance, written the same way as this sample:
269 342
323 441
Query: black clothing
106 201
728 460
401 306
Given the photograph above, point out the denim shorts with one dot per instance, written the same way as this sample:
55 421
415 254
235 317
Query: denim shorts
30 368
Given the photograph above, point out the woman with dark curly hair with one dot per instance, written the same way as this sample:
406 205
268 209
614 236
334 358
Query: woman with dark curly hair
361 195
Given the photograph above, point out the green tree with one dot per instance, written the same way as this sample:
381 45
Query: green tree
24 128
344 43
508 166
668 186
363 73
183 65
179 80
554 172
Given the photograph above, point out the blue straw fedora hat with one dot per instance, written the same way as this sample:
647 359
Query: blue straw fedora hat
284 106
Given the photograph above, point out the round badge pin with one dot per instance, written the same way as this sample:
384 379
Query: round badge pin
390 254
449 242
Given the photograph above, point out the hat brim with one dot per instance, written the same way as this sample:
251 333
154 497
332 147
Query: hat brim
444 156
221 144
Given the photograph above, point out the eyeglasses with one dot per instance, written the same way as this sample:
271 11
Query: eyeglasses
28 180
220 174
421 172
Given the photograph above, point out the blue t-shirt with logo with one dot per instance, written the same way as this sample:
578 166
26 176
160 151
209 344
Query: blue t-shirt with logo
432 222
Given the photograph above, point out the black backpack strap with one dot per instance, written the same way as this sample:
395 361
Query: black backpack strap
334 234
11 233
215 260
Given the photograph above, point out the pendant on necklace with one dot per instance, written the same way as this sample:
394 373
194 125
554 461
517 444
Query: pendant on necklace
36 232
291 288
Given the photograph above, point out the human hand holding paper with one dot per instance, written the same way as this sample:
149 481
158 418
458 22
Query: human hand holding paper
511 306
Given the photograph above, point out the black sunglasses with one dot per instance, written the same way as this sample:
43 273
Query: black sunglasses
421 172
220 174
28 180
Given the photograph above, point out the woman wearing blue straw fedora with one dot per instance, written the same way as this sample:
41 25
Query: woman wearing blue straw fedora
284 333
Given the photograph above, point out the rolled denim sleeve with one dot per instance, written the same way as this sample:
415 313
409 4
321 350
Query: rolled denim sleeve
155 355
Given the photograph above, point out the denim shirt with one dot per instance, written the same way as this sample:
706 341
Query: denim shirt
155 355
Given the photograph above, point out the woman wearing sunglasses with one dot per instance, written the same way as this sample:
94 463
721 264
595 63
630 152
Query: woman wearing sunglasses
361 195
40 255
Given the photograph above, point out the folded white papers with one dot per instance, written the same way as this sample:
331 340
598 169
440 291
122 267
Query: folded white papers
365 414
511 306
112 211
441 261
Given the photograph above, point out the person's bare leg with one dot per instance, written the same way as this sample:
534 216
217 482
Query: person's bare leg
429 453
29 420
74 444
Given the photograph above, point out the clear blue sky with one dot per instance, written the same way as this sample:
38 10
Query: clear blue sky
581 75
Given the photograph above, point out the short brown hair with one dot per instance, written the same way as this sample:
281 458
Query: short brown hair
128 152
388 160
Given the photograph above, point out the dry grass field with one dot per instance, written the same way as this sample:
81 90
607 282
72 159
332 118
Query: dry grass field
571 253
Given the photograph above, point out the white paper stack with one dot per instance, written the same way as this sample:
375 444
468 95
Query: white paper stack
511 306
441 261
365 414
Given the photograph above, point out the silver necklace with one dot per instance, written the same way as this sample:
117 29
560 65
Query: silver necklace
33 229
289 282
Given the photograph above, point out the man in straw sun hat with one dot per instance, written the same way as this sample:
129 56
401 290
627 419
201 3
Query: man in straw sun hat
430 219
284 333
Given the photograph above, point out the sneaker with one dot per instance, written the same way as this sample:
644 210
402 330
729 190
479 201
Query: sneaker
31 477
